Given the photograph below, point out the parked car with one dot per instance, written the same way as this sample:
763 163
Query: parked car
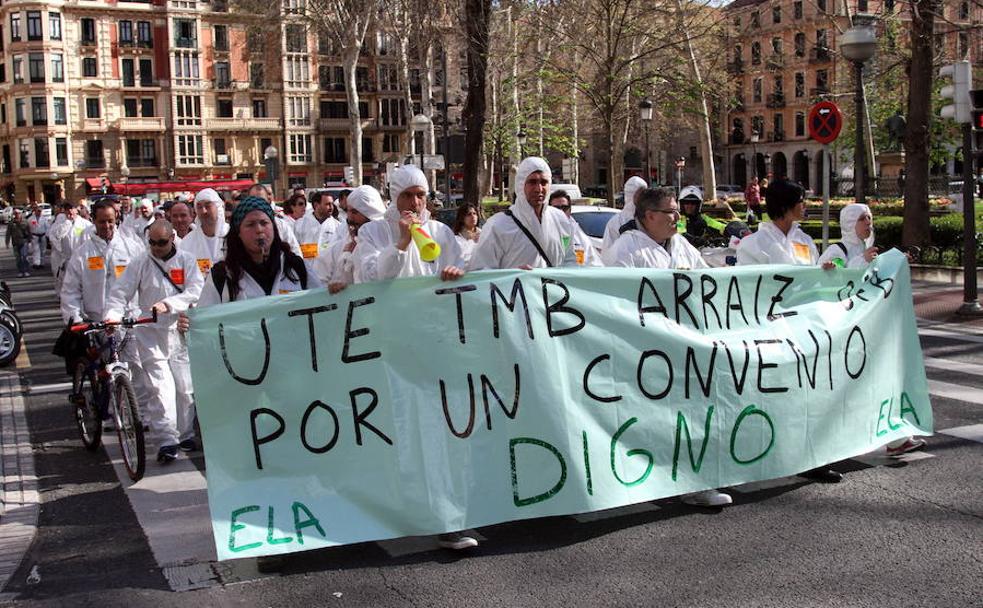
593 219
6 214
573 190
45 210
730 191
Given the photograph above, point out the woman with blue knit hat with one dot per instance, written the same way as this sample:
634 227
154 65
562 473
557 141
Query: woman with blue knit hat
257 262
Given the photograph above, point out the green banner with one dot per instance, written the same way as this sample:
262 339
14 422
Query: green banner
416 406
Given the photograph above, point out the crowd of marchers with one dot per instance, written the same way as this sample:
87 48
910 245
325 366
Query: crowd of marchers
124 259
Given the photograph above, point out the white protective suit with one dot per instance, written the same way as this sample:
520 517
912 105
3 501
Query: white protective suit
636 249
376 257
467 249
90 274
39 230
207 250
314 236
583 248
335 265
64 242
56 230
162 350
633 186
250 289
504 245
134 225
287 235
769 245
853 249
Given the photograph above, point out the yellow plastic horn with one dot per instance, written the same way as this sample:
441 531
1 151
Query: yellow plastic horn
429 249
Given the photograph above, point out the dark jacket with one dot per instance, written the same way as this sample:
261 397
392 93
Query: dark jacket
17 234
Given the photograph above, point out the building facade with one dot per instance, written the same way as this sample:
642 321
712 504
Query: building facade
161 90
783 58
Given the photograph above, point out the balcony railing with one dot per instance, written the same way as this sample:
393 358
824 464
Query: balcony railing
224 84
776 100
819 54
141 123
818 91
735 67
138 163
776 61
243 124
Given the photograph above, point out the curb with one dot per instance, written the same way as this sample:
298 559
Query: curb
19 498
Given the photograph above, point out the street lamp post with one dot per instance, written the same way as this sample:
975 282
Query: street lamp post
754 154
420 123
645 108
522 138
858 44
680 163
767 164
271 159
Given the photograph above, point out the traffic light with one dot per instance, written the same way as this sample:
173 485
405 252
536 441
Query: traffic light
962 81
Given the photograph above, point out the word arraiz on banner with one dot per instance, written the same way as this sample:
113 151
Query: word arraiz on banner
417 406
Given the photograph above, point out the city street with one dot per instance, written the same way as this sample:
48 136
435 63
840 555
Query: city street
904 532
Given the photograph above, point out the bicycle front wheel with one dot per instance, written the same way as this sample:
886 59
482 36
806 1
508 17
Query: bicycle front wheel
129 427
85 399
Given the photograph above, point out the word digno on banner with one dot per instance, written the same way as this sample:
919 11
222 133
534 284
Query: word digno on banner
416 407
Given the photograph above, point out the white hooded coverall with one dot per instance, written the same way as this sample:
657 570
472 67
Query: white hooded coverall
855 246
769 245
633 186
636 249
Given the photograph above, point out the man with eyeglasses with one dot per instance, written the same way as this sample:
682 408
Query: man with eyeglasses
167 281
653 239
531 233
583 249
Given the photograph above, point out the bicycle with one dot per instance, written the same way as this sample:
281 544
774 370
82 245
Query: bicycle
101 379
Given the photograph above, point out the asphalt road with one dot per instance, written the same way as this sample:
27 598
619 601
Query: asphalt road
905 533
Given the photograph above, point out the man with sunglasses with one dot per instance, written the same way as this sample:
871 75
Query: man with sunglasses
167 281
583 249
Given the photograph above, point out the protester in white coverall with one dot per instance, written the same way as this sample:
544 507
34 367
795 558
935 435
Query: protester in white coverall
583 248
336 267
385 248
856 247
612 231
134 225
167 281
257 263
207 241
71 232
283 227
781 241
56 229
504 241
653 241
316 230
38 225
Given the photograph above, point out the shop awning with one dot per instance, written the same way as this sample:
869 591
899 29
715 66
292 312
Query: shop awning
138 189
93 183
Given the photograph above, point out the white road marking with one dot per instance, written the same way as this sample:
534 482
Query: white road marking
954 365
956 391
972 432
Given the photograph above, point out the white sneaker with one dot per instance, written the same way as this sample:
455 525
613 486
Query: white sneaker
707 498
456 541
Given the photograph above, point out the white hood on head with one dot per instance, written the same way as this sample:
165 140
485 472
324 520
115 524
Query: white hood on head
848 226
367 201
521 208
209 195
633 186
405 176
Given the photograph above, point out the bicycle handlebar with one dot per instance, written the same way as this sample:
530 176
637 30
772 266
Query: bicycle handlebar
97 326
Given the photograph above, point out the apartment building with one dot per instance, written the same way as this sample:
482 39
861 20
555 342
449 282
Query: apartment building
150 91
784 58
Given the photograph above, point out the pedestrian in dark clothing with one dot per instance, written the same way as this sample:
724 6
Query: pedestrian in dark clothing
19 235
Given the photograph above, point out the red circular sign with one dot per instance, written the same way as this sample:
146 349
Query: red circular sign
825 122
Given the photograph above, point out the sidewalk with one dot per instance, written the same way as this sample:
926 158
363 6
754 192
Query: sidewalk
941 306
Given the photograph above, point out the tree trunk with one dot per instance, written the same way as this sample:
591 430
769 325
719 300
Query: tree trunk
706 143
355 120
613 183
403 64
915 230
477 16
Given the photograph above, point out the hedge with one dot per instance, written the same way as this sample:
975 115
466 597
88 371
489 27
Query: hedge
947 231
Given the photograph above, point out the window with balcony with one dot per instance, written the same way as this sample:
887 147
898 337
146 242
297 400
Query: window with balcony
130 107
3 113
294 7
60 111
34 29
335 150
334 109
963 45
758 126
221 152
298 111
800 44
326 45
90 67
41 157
776 46
778 122
20 112
35 63
797 9
57 67
800 124
390 143
145 35
39 111
259 108
296 38
185 33
17 65
190 150
821 6
257 77
61 151
300 148
146 73
25 154
362 80
3 73
147 109
756 90
800 84
822 39
223 75
6 167
125 28
221 33
387 44
331 78
15 27
755 19
223 108
776 14
128 74
88 31
822 81
186 71
94 157
54 26
755 53
188 110
92 107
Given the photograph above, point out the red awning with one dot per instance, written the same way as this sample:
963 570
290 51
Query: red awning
181 186
95 183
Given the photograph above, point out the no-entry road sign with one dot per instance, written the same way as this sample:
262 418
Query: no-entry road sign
825 122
